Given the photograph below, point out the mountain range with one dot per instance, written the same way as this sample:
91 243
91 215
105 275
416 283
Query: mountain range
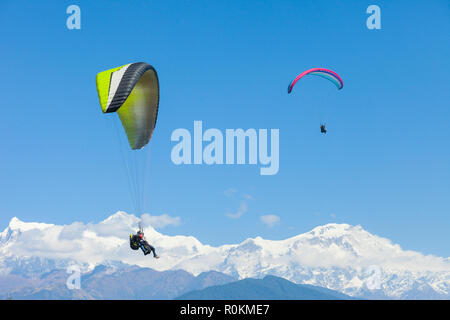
113 281
268 288
338 257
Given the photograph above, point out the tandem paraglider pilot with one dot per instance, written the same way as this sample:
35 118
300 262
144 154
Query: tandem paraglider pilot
138 241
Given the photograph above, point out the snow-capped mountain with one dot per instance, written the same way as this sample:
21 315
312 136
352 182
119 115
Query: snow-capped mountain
336 256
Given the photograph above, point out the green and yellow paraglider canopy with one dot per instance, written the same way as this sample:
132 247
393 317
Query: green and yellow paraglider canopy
132 91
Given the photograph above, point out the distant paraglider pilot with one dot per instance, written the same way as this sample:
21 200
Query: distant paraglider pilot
327 74
138 241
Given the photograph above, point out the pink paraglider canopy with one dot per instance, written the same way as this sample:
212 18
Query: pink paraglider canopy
321 72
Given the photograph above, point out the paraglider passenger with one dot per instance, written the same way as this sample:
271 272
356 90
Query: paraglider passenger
144 245
323 129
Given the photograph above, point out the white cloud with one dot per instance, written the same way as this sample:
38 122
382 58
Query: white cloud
248 196
230 192
71 231
242 209
159 222
270 220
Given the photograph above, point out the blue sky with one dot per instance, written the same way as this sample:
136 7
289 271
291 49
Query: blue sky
385 163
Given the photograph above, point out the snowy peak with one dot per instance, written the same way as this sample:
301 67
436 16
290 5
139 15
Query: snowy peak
342 235
130 222
353 240
16 227
16 224
333 230
122 217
